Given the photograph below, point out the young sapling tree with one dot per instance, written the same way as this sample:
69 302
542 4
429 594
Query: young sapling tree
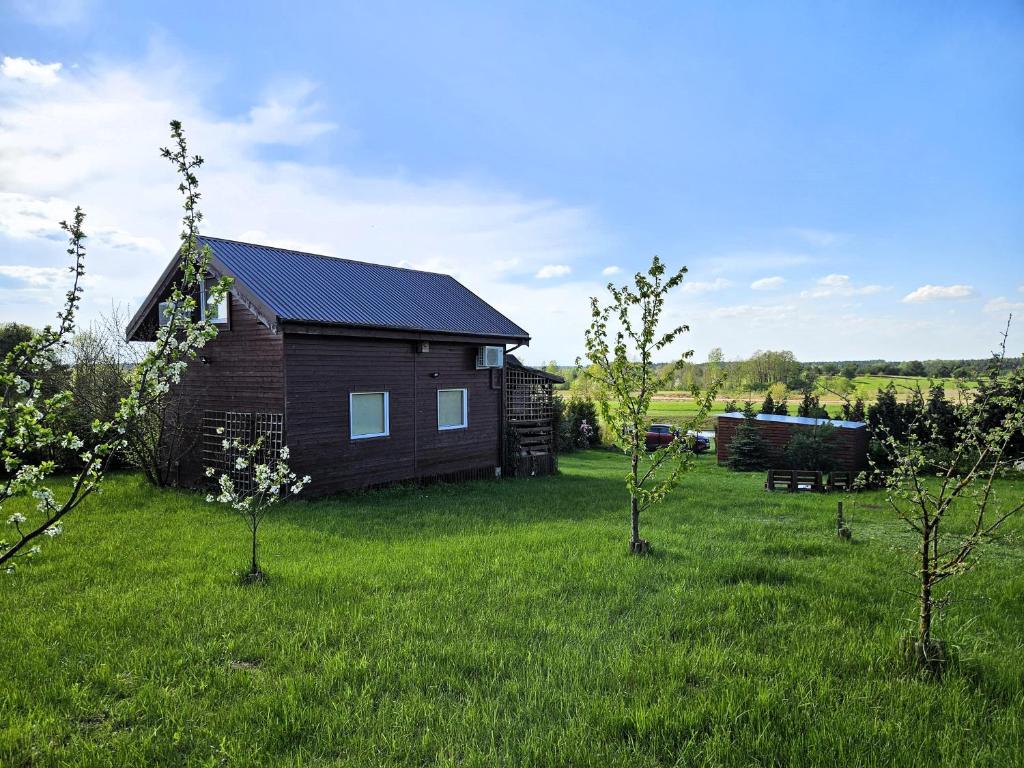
252 484
951 502
621 345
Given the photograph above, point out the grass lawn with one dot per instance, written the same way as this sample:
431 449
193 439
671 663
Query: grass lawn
501 624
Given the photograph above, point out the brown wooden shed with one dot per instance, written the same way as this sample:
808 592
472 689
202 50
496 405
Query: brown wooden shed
370 374
849 444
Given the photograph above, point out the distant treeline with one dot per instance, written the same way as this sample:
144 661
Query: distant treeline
765 370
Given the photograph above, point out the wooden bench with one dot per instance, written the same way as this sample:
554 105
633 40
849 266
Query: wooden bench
794 480
840 481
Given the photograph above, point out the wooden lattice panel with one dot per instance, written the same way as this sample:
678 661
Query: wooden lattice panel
221 426
529 411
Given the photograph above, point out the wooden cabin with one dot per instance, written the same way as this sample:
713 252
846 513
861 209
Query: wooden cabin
849 445
371 374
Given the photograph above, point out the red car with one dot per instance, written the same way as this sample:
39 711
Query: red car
663 434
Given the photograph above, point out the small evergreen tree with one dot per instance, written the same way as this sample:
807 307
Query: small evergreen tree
811 406
748 451
857 412
768 406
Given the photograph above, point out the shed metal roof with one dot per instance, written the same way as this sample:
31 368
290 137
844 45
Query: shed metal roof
806 420
307 287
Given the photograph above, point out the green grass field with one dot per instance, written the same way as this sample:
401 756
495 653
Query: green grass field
677 411
676 408
501 624
867 386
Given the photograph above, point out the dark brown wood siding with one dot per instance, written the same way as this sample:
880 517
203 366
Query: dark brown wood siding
244 372
849 446
321 372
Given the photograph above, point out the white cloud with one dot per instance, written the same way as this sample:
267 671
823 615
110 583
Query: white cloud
840 285
92 139
718 284
613 270
1003 305
553 270
937 292
30 70
33 276
768 283
816 237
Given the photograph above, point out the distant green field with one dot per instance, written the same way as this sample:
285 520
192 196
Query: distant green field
677 412
673 408
867 386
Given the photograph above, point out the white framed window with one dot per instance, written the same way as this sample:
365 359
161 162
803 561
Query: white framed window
164 310
452 409
369 415
219 314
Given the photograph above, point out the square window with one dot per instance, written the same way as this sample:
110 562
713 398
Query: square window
368 415
452 409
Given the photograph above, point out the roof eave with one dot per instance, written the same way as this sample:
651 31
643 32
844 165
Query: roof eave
296 325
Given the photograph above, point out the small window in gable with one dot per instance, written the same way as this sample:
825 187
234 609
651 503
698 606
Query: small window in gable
452 409
164 312
369 415
215 314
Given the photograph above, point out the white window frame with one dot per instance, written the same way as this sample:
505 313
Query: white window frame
465 409
387 416
222 307
162 317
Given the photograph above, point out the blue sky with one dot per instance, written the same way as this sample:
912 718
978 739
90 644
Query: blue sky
842 179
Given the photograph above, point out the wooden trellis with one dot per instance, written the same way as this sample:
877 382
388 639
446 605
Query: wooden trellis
531 442
220 427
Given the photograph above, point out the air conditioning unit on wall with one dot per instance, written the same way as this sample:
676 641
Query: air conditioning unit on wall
490 357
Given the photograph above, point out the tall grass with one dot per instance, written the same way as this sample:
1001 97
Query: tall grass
500 624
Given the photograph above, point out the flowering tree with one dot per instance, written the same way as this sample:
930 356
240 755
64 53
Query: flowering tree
251 486
29 422
623 373
950 500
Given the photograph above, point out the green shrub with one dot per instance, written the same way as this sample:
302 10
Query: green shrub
569 418
811 449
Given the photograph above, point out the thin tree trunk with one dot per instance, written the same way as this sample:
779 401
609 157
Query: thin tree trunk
924 626
255 567
633 505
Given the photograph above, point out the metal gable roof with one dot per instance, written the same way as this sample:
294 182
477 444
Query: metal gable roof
806 420
305 287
